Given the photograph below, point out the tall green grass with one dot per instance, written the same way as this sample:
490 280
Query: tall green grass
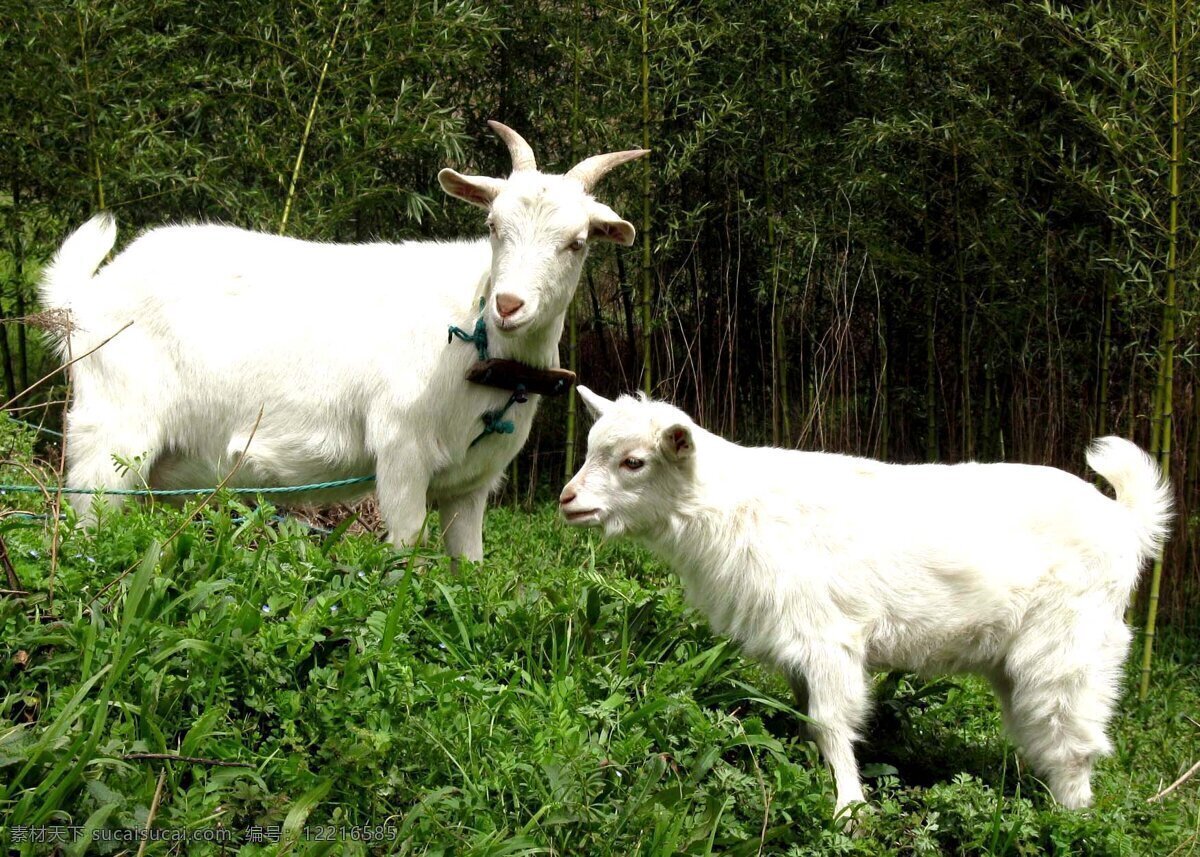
559 698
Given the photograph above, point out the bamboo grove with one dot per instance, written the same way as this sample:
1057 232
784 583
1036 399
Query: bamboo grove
923 231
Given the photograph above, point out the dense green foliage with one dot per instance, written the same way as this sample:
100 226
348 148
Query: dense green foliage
919 230
558 699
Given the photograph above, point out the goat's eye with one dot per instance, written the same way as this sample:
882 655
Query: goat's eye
576 245
632 463
492 228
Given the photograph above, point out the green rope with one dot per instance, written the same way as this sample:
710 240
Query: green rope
236 519
36 427
169 492
182 492
478 338
494 422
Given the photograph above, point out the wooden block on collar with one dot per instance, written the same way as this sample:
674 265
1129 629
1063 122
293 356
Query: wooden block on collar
507 374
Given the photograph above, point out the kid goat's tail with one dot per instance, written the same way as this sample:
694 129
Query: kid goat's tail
1140 488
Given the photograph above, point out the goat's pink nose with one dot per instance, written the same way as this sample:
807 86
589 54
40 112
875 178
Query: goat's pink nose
507 305
566 497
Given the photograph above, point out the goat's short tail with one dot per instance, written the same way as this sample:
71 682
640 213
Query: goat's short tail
1140 488
77 260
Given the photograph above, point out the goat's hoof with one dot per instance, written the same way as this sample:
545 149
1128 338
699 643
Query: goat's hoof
850 816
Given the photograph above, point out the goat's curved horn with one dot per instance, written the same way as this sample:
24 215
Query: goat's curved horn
588 172
522 154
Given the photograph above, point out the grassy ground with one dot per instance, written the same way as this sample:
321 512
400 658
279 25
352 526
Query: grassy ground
558 699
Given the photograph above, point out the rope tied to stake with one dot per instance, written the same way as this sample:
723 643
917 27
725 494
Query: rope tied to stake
170 492
183 492
35 427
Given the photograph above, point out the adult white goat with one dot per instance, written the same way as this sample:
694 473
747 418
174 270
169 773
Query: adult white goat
825 566
343 347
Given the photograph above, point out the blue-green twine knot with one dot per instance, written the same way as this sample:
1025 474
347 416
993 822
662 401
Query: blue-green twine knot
478 338
493 425
494 422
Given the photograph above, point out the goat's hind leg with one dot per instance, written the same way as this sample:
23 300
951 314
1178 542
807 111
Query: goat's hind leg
799 685
1063 694
106 453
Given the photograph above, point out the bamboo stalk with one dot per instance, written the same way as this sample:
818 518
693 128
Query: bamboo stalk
308 123
1105 362
776 312
987 442
91 105
1156 407
1193 459
784 399
964 328
572 316
14 230
1105 359
1167 371
18 254
884 443
572 401
647 366
931 437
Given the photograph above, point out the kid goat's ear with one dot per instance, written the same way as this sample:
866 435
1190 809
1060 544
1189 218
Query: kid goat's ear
677 443
595 404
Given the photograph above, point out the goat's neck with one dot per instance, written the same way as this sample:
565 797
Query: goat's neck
537 347
694 534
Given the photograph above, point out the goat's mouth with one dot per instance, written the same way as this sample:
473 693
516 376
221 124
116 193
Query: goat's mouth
582 518
511 325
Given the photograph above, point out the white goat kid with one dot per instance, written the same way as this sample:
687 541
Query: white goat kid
825 566
343 347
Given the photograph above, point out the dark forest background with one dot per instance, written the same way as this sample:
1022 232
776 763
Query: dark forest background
913 230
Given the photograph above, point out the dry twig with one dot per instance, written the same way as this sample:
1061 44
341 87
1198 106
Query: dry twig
194 760
73 360
1191 772
14 582
162 777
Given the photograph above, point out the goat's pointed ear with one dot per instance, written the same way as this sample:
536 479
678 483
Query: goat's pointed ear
477 190
677 442
606 225
595 404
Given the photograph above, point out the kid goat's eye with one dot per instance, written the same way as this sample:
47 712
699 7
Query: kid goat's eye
632 463
576 245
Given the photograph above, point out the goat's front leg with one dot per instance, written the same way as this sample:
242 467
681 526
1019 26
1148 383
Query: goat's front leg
462 524
837 704
401 483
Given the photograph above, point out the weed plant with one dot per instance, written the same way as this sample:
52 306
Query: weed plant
558 699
